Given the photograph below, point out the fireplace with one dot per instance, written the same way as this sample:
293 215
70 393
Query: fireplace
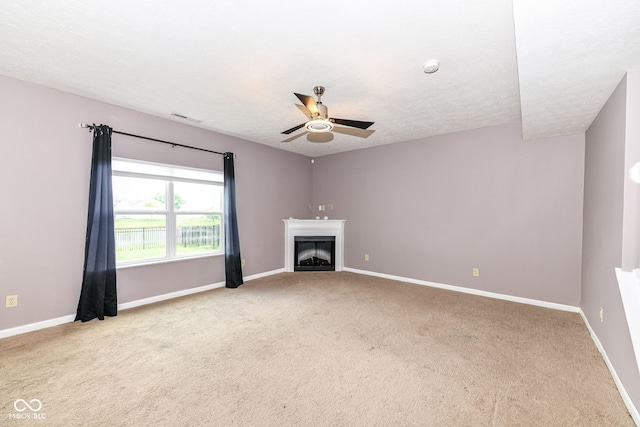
314 253
329 228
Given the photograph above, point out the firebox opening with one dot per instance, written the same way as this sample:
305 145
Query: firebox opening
314 253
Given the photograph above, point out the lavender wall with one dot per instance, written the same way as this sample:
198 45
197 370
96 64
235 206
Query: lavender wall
436 208
44 167
631 209
604 199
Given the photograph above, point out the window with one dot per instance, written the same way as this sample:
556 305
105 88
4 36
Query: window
165 212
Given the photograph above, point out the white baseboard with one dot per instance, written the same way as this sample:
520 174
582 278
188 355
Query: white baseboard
471 291
36 326
190 291
265 274
127 305
171 295
633 411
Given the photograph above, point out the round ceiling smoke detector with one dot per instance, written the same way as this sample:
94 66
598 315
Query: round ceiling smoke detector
431 67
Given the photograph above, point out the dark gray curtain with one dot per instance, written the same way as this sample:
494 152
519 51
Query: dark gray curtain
232 259
98 295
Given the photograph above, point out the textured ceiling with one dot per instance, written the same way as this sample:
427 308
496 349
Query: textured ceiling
234 65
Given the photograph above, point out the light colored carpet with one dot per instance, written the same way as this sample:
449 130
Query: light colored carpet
315 349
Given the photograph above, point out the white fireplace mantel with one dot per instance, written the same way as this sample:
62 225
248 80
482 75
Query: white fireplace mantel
313 227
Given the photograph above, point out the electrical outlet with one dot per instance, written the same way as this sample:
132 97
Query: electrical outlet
366 257
601 314
243 262
11 301
476 272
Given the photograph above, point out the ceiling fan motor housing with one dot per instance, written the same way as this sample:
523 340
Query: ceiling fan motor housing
323 112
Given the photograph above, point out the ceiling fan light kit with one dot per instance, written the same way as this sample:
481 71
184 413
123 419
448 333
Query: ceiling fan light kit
319 125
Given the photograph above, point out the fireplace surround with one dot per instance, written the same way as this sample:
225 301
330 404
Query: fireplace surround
313 228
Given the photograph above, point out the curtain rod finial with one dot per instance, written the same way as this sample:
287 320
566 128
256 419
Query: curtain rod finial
87 126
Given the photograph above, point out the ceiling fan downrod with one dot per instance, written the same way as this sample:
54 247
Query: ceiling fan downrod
319 91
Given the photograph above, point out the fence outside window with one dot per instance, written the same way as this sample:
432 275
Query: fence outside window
136 239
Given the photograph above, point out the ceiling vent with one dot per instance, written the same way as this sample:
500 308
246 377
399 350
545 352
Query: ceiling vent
183 117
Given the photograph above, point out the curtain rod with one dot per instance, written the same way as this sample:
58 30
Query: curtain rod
90 127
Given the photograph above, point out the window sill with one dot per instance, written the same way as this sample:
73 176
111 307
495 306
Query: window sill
629 284
166 261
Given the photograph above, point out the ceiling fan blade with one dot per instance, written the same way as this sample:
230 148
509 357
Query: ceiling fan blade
293 129
308 102
360 133
353 123
303 110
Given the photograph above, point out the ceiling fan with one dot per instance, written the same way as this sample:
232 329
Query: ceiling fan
319 117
